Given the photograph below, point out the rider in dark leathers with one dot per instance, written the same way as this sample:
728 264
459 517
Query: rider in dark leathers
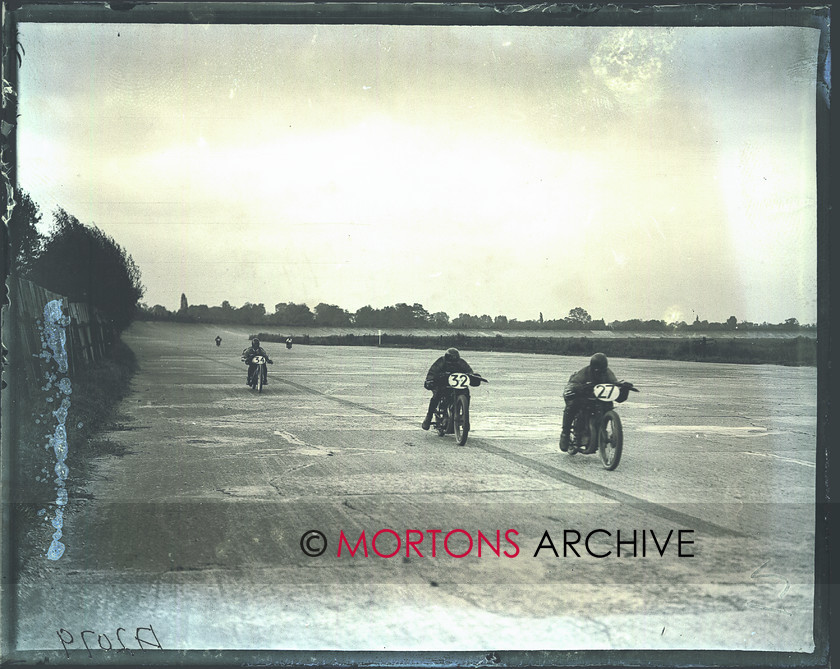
449 362
248 355
597 371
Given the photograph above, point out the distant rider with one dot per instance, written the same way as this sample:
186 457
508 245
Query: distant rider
597 371
450 361
218 340
248 355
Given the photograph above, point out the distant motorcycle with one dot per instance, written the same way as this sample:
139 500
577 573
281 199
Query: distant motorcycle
596 426
452 413
258 372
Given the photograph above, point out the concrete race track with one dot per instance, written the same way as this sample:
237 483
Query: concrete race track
197 530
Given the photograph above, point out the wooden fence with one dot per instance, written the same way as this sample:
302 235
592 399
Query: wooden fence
88 334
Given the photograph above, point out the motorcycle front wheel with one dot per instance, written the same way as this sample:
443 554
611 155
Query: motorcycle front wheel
259 381
462 420
610 440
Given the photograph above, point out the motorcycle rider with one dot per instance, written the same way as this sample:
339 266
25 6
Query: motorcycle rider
248 355
450 361
218 340
597 371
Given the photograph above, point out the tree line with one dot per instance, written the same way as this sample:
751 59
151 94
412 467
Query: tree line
83 263
403 315
72 259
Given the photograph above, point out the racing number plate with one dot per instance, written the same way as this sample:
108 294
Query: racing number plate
459 380
606 392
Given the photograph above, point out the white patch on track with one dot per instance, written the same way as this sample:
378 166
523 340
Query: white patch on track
368 450
303 447
290 438
782 457
750 431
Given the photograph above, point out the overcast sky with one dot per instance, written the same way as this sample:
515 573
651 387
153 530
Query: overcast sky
637 173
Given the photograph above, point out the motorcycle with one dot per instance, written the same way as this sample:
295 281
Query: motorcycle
596 425
258 372
452 413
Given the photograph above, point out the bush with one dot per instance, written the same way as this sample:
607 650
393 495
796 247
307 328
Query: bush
86 265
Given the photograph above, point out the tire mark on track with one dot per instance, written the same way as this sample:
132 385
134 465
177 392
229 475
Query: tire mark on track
348 403
689 521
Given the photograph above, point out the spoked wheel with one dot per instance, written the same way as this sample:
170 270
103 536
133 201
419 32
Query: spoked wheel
461 416
258 382
610 440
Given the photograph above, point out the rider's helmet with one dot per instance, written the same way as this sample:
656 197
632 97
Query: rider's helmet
255 343
598 365
452 355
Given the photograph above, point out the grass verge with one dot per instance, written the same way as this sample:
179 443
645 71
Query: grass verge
95 394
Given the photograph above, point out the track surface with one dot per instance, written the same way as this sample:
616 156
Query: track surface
196 531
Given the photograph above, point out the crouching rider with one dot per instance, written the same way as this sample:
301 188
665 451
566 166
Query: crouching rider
597 371
449 362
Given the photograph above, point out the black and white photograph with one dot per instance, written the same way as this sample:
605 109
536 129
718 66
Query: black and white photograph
467 337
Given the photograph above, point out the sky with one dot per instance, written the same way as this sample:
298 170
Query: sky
654 173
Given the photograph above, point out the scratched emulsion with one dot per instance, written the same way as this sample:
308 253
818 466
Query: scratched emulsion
628 59
54 339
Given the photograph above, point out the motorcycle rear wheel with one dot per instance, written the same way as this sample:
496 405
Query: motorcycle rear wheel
578 428
610 440
461 417
440 420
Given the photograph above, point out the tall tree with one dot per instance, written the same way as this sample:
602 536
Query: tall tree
440 318
365 317
292 314
329 315
250 313
25 242
579 316
86 265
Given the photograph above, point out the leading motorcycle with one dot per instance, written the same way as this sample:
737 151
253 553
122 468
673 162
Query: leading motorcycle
596 426
257 373
452 413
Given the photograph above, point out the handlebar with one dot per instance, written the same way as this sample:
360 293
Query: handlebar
620 384
586 390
